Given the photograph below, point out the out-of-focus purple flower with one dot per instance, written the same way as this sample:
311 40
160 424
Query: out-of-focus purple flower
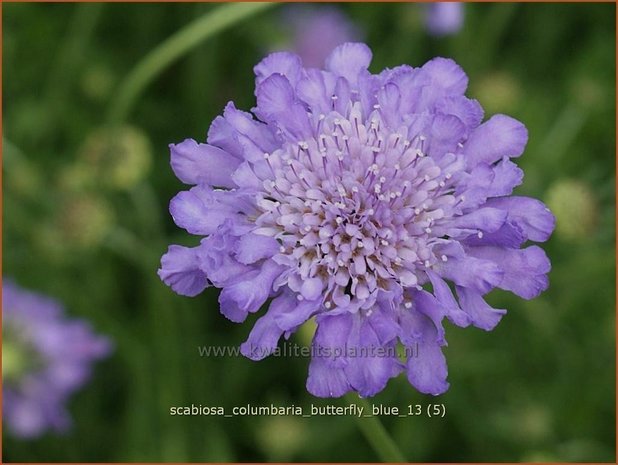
378 204
444 18
316 31
45 358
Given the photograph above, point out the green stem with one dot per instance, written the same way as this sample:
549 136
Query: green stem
173 48
375 433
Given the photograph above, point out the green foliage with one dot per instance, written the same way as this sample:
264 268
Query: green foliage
538 388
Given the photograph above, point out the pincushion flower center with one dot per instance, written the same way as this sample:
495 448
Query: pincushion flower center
354 207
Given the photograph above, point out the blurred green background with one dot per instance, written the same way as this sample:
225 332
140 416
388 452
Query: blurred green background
86 221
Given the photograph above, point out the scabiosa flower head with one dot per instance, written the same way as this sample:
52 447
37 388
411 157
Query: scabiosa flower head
377 203
45 358
444 18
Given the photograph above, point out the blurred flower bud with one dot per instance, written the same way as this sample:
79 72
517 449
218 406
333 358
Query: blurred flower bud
77 177
534 423
498 92
444 18
120 157
97 82
84 221
50 243
575 207
23 177
281 436
316 31
587 92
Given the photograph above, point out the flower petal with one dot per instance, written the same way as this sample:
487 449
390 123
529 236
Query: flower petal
525 270
500 136
481 314
446 132
195 163
304 310
326 375
447 75
531 215
247 296
445 296
324 380
265 334
428 371
201 210
288 64
426 365
180 271
249 130
467 271
509 235
254 247
483 219
277 104
316 89
348 60
221 134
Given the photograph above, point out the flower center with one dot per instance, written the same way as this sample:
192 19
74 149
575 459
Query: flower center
355 206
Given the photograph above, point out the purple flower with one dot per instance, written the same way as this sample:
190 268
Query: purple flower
317 31
45 358
379 204
444 18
